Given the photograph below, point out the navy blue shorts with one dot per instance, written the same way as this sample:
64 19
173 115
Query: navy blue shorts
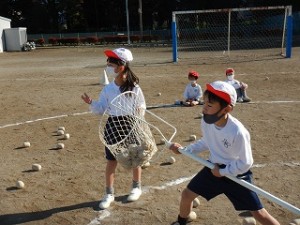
209 186
116 130
108 154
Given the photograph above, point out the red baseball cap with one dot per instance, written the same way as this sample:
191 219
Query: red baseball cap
223 90
229 70
193 74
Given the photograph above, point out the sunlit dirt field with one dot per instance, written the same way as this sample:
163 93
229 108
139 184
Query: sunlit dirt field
40 91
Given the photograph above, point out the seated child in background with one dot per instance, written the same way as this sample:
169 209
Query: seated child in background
193 91
240 87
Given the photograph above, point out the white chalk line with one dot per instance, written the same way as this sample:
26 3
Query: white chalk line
271 102
150 77
49 78
83 113
290 164
102 215
41 119
105 213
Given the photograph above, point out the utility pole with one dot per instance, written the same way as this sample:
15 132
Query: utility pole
140 10
127 19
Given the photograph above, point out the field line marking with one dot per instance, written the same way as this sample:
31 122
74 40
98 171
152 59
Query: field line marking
171 183
150 77
88 112
271 102
102 215
105 213
41 119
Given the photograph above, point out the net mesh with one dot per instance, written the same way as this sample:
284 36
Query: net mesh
126 133
235 35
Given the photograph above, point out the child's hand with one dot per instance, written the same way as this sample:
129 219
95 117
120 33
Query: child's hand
243 85
216 171
86 98
193 103
174 147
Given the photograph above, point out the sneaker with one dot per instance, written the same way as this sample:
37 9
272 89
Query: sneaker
247 99
134 194
240 99
182 222
106 201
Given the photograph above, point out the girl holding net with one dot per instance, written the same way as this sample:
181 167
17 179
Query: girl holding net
124 80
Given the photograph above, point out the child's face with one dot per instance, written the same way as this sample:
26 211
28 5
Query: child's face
112 64
191 78
211 107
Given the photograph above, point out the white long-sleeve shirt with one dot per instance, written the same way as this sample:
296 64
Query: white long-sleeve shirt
235 83
110 92
191 92
229 145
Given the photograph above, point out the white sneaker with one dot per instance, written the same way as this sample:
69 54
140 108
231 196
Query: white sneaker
106 201
240 99
134 194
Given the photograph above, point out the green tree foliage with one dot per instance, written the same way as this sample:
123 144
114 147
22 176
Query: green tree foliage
50 16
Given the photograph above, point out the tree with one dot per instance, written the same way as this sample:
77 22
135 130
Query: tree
52 16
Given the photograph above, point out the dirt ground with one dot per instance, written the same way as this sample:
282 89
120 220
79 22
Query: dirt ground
40 91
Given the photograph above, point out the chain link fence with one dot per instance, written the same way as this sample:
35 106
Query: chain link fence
232 34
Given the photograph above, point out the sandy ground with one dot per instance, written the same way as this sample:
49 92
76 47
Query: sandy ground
40 91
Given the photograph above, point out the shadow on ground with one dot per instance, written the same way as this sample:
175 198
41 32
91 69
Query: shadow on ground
20 218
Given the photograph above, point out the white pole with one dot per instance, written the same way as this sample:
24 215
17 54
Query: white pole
284 27
251 187
140 11
228 35
127 19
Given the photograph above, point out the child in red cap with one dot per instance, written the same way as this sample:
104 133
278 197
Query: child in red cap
240 87
193 91
228 142
118 67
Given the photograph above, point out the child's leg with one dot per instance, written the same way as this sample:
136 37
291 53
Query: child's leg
187 103
137 174
109 181
245 97
110 173
239 93
186 202
136 190
263 217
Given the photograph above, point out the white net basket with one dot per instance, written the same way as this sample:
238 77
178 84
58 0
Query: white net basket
127 134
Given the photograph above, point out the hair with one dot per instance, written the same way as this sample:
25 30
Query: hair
131 81
214 98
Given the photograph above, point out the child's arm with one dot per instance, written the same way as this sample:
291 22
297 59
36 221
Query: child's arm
198 96
185 93
196 147
99 107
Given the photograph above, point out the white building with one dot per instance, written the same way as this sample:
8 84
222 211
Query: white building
4 23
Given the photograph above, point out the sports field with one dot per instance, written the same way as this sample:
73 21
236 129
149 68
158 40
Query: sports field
40 91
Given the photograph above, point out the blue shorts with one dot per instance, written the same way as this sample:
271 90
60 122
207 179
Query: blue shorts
109 155
209 186
116 129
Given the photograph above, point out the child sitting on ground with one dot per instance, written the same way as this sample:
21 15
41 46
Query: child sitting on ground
193 91
240 87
